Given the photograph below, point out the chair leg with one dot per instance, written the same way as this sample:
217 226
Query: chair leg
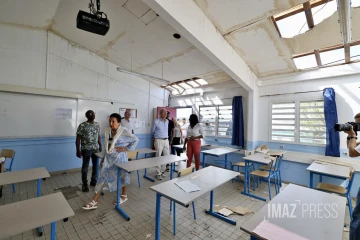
232 169
170 204
174 219
280 178
350 205
13 187
193 205
269 188
138 177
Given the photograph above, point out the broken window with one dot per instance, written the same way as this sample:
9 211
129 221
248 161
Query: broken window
185 86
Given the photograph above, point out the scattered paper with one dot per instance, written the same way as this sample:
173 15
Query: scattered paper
188 186
271 231
148 236
2 159
240 210
227 211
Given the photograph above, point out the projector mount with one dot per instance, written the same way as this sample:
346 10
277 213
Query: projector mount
97 12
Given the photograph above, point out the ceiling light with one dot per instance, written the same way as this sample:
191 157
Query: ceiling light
143 75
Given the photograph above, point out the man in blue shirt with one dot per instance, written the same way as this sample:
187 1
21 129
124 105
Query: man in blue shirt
161 143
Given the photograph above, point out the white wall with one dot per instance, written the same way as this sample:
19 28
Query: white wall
41 59
347 99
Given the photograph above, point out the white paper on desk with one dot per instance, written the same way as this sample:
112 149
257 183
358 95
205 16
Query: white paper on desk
188 186
2 159
271 231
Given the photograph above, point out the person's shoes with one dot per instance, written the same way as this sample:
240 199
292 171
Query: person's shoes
167 167
85 188
158 177
93 183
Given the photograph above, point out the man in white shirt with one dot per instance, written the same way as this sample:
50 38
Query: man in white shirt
354 151
126 121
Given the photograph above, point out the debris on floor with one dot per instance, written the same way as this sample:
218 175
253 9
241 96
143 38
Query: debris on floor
69 192
227 211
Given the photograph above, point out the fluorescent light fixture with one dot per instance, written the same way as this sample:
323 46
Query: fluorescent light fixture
143 75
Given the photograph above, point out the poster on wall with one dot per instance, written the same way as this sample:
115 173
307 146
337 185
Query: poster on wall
62 113
133 112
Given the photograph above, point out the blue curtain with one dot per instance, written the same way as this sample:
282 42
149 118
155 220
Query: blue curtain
237 123
332 137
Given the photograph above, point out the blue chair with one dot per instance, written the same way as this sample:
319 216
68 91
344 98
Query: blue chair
342 191
278 173
9 154
241 164
183 172
272 173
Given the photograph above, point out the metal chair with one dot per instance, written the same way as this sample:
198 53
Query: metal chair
273 167
181 173
241 164
342 191
9 154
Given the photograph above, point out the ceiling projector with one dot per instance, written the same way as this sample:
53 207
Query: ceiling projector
94 21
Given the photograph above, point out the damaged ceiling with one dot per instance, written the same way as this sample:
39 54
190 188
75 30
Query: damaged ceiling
255 38
138 38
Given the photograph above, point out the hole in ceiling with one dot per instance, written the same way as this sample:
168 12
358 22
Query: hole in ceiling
177 36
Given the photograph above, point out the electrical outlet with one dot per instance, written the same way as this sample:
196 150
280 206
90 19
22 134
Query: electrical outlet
345 153
281 146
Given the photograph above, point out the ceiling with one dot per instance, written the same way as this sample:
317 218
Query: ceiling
138 39
142 41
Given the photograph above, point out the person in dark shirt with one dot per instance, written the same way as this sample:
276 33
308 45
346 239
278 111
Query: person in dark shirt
170 132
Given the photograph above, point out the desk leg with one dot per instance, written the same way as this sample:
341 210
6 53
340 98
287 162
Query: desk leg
203 163
320 178
253 238
225 161
157 221
117 207
245 178
53 231
311 179
211 211
172 166
38 194
145 173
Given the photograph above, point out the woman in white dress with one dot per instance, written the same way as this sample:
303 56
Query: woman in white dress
118 140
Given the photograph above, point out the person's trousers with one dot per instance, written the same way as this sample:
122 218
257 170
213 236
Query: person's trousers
193 149
86 155
355 222
176 141
161 146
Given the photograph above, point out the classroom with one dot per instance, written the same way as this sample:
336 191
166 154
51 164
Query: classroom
179 119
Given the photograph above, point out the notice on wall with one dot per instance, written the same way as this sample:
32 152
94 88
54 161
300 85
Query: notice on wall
63 113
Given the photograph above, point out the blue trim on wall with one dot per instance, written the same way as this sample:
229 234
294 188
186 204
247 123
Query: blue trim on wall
53 153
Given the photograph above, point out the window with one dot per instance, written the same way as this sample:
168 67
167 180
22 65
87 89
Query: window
298 122
216 120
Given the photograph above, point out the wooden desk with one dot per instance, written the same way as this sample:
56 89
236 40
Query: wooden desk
217 152
304 223
25 215
141 164
207 179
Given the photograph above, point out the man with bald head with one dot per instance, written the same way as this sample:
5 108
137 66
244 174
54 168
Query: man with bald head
160 130
126 121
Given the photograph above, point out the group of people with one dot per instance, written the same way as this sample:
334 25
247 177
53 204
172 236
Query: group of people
119 139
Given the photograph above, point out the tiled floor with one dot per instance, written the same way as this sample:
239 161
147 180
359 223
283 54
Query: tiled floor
106 223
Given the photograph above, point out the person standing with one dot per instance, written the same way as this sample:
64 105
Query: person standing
176 136
126 121
184 126
170 134
160 130
88 134
195 133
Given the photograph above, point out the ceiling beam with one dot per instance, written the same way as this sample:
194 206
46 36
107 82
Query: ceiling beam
344 11
308 14
317 56
347 53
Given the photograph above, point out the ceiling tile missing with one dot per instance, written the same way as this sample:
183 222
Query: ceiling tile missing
136 7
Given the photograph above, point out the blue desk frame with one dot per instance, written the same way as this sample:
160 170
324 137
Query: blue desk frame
320 177
210 212
246 190
117 207
217 160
